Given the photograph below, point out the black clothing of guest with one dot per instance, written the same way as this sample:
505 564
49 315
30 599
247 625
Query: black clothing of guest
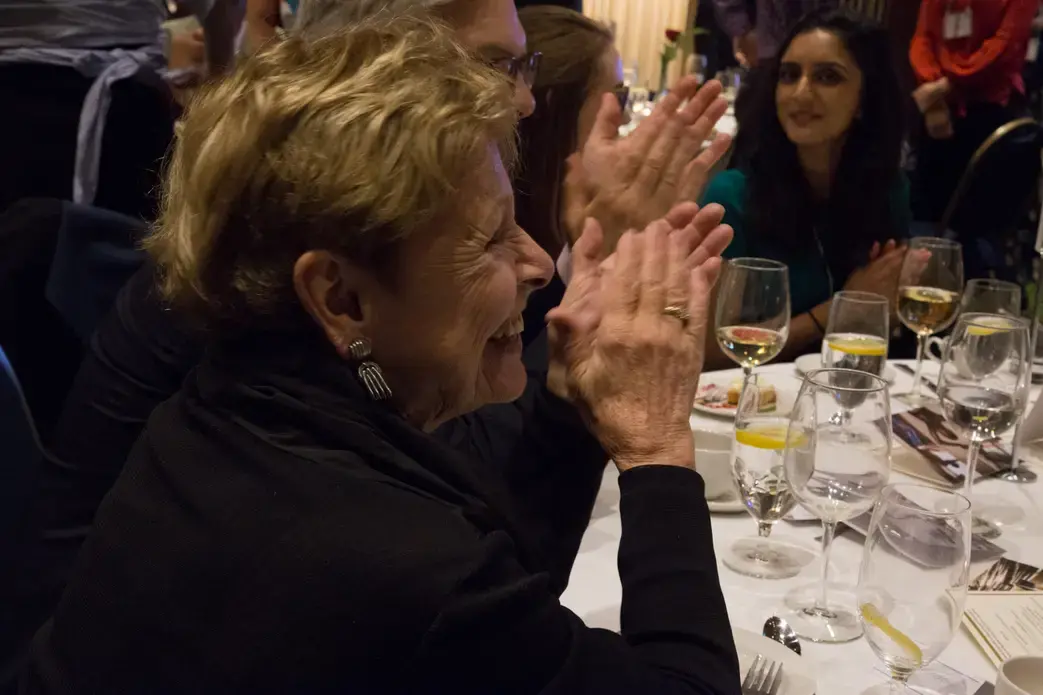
141 355
138 358
276 531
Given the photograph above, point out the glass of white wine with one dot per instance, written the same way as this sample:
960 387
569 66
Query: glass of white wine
984 379
757 465
856 339
989 296
911 609
753 311
836 469
929 290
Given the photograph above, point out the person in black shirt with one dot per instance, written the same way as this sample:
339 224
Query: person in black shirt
287 522
143 351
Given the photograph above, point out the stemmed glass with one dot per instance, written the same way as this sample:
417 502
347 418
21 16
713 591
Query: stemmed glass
984 380
991 297
913 582
929 289
856 335
836 469
753 310
757 465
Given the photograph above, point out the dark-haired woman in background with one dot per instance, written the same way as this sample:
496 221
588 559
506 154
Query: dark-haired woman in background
579 66
821 189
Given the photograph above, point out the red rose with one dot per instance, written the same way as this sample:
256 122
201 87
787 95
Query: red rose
672 35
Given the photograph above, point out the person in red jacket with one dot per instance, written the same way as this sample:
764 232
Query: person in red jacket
968 57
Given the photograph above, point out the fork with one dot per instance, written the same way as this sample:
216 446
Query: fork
763 678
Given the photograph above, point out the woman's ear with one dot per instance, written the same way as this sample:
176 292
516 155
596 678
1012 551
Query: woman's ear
333 292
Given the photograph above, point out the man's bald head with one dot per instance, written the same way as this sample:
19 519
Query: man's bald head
490 28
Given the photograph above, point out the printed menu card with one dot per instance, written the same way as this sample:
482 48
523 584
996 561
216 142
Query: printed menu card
937 452
1004 611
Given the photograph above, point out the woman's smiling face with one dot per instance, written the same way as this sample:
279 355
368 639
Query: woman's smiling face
448 334
819 91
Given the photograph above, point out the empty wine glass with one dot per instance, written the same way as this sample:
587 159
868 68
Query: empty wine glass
757 464
991 297
836 470
753 310
856 337
929 294
912 586
984 381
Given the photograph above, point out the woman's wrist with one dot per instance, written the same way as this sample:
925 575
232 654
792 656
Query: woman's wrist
819 316
680 454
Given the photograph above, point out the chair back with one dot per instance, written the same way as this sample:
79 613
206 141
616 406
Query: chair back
95 254
995 193
20 455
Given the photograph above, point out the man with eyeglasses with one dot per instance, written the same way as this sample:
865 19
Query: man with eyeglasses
488 27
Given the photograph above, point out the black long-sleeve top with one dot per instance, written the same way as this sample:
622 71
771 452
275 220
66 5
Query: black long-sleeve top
274 531
140 356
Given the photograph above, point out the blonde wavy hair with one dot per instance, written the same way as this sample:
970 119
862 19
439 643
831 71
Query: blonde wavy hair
349 143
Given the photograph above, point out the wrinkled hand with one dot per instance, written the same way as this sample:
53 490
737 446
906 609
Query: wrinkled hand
627 183
880 275
632 369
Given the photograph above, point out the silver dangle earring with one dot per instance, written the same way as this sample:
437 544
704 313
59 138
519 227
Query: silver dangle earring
369 371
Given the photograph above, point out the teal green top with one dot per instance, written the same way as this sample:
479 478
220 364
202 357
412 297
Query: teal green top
808 276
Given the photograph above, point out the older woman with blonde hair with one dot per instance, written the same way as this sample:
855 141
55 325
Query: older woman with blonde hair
339 216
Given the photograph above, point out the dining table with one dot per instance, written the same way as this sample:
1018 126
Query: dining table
594 591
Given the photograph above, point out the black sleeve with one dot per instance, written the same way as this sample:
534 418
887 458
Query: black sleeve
552 465
502 632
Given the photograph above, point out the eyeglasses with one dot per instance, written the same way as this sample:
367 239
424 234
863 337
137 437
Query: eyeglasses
622 93
527 66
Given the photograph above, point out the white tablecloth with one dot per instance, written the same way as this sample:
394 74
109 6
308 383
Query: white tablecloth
594 591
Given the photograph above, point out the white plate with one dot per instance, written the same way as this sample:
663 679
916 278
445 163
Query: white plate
805 363
729 504
783 403
797 677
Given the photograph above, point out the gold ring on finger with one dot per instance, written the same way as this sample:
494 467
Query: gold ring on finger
679 312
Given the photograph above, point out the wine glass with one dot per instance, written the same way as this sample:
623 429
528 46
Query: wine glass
912 586
984 380
929 294
856 336
757 465
836 469
991 297
753 310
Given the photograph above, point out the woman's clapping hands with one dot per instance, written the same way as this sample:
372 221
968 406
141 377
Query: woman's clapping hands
628 183
631 366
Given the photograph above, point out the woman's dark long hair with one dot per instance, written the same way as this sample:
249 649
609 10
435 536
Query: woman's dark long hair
572 47
782 208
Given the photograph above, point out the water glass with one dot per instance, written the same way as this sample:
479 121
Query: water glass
912 586
836 469
757 466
